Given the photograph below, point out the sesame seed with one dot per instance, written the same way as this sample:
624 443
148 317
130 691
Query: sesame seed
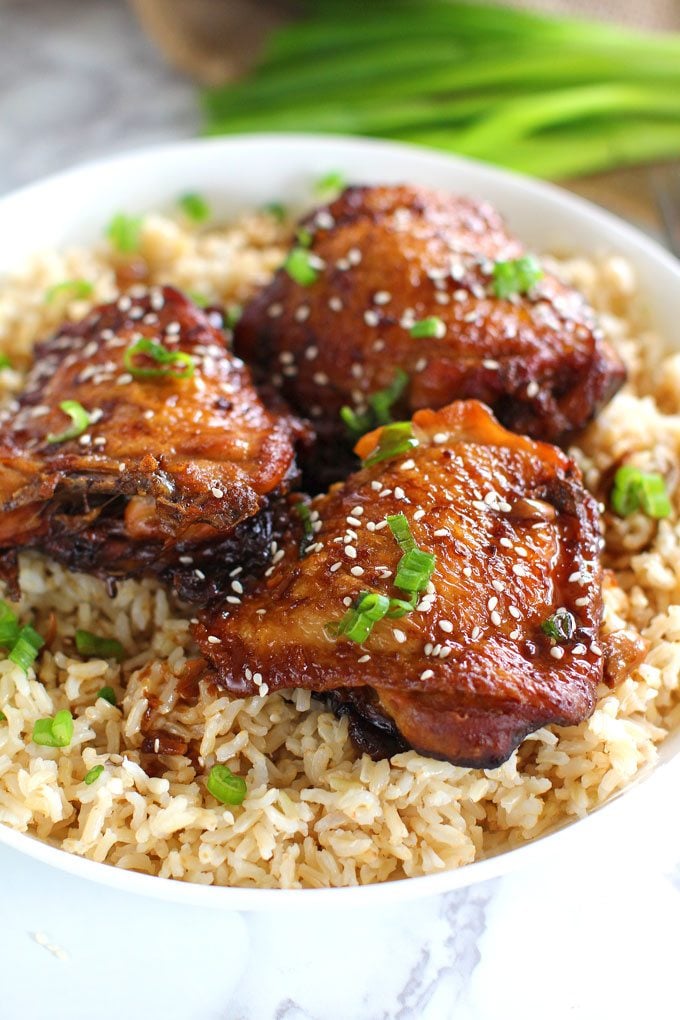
419 514
237 587
85 440
578 649
351 552
492 603
505 542
428 648
596 650
275 310
382 297
376 485
514 612
420 365
186 560
427 674
199 574
496 618
301 313
498 585
490 363
442 532
399 635
380 525
476 633
582 601
214 640
446 626
364 658
311 353
371 317
357 571
354 520
399 493
440 437
532 389
347 601
407 465
217 493
320 378
335 304
557 652
521 551
124 379
467 571
278 556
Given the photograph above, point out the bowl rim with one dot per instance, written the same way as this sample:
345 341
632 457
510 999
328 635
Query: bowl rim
251 898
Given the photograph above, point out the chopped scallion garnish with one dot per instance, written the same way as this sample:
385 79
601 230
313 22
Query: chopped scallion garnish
25 649
394 441
639 490
198 298
360 619
232 315
225 786
194 207
56 731
124 232
80 420
108 694
305 516
379 407
414 571
73 290
94 646
330 184
433 326
170 364
560 626
299 267
401 530
516 276
3 717
304 237
277 210
9 626
4 362
93 775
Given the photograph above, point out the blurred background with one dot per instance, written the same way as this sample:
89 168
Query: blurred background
585 92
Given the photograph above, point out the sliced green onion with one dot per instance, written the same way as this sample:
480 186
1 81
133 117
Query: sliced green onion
516 276
54 732
638 490
360 619
3 717
93 775
171 364
433 326
414 571
305 516
299 267
395 440
277 210
560 626
4 362
9 626
232 315
304 237
225 786
400 607
198 298
401 531
124 232
194 207
108 694
98 647
330 184
25 649
80 421
73 290
379 408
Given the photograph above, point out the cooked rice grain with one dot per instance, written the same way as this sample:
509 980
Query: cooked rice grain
316 813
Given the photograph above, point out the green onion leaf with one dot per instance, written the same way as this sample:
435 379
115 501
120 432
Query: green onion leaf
171 364
638 490
330 184
4 362
400 607
395 440
198 298
358 423
305 516
304 237
72 290
194 207
9 626
93 775
3 717
433 326
299 267
516 276
359 620
108 694
232 315
277 210
80 420
401 530
123 233
98 647
414 571
225 786
560 626
54 732
25 649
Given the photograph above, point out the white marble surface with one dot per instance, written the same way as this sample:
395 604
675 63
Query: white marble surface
576 939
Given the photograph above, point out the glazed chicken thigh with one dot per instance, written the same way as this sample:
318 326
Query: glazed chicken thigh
140 446
407 298
447 595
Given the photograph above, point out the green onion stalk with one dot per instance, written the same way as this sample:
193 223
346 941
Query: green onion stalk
550 96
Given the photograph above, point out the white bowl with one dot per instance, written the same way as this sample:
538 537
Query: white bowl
248 171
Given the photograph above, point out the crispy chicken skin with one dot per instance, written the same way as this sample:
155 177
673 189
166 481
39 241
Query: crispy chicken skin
170 474
392 256
469 672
